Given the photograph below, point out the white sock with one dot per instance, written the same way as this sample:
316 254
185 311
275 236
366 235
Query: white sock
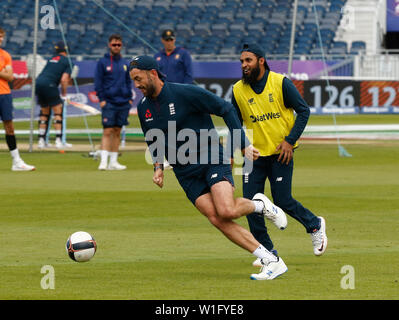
259 205
15 155
104 156
113 157
262 253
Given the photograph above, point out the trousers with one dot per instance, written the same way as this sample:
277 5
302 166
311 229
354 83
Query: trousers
280 179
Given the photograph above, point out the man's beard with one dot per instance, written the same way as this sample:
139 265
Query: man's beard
253 75
150 88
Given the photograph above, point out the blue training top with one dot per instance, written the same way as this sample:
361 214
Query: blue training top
52 73
112 81
177 66
186 106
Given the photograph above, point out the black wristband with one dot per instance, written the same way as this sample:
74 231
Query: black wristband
158 166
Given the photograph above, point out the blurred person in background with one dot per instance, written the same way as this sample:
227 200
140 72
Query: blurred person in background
114 90
174 62
56 72
6 108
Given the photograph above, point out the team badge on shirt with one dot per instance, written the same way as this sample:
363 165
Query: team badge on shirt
251 101
177 56
271 97
172 110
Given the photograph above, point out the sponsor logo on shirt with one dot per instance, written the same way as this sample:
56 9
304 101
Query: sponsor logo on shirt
265 116
55 59
148 116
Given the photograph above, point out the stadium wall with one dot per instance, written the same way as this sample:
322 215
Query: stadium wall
334 96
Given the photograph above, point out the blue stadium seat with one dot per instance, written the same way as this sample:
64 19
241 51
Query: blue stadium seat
266 21
357 46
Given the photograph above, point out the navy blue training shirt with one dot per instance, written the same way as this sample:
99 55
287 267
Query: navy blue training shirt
112 81
53 71
177 66
186 106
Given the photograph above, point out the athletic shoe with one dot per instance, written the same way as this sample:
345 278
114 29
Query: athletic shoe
257 263
270 270
116 166
22 166
41 143
59 144
272 212
319 238
102 166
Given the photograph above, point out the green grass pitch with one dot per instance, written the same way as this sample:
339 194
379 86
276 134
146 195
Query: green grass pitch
153 244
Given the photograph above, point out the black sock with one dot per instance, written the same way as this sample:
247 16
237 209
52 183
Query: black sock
11 142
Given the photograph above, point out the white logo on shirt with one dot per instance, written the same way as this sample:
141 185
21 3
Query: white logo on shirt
172 110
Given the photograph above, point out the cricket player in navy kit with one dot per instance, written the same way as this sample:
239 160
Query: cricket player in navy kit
56 72
265 102
171 108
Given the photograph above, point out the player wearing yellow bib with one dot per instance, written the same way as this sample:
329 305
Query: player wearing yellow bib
265 102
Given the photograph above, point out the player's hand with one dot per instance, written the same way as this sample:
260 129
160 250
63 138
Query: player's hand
286 152
102 104
251 153
158 177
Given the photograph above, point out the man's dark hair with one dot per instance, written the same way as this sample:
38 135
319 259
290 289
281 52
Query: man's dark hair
2 31
115 36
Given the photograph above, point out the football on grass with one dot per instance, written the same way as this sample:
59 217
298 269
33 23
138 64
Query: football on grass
81 246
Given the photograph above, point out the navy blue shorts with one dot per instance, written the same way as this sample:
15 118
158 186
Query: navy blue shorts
196 185
48 96
115 115
6 107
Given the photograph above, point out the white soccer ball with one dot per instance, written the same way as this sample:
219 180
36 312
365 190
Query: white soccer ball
81 246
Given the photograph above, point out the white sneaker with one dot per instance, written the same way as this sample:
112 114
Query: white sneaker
59 144
116 166
319 238
103 166
41 143
257 263
270 270
272 212
22 166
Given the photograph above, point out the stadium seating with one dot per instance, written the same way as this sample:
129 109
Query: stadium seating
202 26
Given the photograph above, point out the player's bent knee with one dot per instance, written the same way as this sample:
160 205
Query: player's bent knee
227 213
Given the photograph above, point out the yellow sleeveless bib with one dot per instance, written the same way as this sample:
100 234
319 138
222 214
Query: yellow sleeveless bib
264 115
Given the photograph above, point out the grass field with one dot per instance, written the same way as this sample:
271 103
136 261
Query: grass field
153 244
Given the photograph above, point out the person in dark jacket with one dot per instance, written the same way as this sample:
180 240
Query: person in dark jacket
114 91
174 62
